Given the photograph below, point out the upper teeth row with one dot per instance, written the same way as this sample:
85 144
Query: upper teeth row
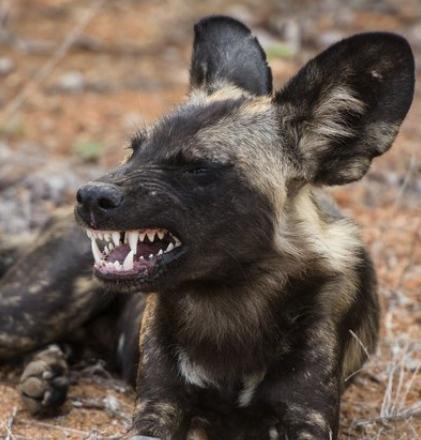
130 237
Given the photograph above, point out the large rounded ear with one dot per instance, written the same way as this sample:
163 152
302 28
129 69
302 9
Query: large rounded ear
345 106
226 53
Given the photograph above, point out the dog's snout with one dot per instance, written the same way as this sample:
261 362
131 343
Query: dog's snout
102 196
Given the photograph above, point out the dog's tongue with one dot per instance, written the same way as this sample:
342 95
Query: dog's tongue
120 253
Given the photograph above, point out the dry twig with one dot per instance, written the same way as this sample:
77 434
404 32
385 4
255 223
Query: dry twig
42 74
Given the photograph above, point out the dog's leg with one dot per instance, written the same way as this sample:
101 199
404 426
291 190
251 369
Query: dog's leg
45 297
159 412
304 392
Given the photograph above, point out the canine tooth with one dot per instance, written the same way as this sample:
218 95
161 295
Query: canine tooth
169 248
117 265
150 256
89 233
107 236
142 257
151 235
161 234
142 236
177 242
160 252
128 261
95 251
116 237
132 238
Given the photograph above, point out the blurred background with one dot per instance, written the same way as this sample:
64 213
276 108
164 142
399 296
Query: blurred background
79 77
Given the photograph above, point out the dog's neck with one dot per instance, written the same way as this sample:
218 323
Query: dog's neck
226 330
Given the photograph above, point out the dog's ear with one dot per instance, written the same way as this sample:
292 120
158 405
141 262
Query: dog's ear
345 106
226 53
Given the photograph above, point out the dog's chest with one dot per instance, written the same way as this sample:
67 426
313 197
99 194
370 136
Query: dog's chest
240 392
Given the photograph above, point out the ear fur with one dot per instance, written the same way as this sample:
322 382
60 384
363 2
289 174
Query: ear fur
345 106
226 53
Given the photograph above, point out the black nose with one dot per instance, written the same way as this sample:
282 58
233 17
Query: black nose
98 195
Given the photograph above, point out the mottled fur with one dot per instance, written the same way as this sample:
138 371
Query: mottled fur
254 330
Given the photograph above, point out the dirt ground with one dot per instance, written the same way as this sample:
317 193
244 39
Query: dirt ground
78 77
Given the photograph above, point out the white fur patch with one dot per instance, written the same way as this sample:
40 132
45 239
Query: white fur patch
250 385
273 433
121 342
193 373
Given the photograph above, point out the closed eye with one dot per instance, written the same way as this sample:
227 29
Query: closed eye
137 141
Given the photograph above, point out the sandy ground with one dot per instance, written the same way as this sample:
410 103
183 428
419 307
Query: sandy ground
77 78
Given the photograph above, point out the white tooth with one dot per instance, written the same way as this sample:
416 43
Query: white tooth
116 237
151 235
142 257
133 236
142 236
177 242
110 247
128 261
150 256
117 265
160 252
161 234
169 248
89 233
100 235
95 251
107 236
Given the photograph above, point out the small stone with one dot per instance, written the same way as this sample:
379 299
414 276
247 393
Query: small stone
72 81
6 65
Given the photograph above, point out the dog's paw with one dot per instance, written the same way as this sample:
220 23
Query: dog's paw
45 381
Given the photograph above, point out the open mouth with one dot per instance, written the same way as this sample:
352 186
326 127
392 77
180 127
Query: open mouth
131 254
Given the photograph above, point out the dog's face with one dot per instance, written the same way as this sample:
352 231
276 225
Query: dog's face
206 187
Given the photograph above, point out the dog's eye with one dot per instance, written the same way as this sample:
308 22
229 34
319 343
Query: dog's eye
203 173
198 171
137 141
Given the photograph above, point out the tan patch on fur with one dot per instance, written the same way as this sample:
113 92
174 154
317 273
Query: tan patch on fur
327 122
226 91
336 242
147 320
360 346
260 105
85 284
316 418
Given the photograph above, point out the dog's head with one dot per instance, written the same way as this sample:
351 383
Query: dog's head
208 185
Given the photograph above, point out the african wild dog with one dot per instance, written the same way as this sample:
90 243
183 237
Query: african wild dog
260 283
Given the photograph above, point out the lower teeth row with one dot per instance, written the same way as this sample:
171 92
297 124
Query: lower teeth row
128 261
127 264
